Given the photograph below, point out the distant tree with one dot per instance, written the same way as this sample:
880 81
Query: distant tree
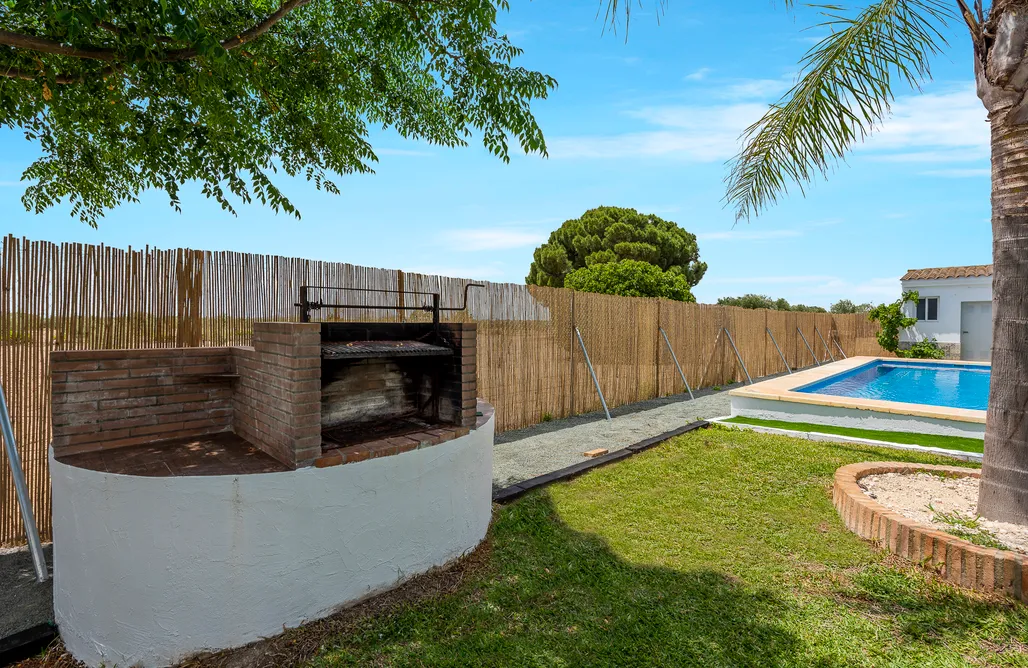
752 300
630 278
612 234
806 309
847 306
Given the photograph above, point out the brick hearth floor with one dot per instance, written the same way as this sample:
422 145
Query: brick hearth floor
217 454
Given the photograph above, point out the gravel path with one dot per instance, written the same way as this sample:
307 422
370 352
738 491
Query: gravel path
911 493
24 603
547 447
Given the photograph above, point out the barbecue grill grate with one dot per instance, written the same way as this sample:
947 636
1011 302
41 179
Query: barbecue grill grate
365 349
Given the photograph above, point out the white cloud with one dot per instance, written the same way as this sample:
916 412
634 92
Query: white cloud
495 238
959 173
935 156
699 74
945 127
698 134
949 126
748 235
753 89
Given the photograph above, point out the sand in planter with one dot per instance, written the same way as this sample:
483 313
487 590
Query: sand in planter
910 494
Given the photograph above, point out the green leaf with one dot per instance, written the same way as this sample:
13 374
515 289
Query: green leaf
843 93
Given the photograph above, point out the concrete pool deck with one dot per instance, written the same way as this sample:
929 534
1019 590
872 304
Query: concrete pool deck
778 399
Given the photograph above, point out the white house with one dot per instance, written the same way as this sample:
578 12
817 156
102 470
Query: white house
955 308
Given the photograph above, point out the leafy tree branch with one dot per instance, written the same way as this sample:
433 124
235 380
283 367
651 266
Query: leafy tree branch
151 94
844 92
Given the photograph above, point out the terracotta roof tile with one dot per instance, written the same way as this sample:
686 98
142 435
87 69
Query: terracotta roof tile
947 272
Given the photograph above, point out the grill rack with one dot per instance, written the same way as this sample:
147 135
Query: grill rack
367 349
306 305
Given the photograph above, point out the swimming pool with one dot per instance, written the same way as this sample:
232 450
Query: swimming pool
881 393
913 382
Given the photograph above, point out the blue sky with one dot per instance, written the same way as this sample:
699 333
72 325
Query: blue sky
646 124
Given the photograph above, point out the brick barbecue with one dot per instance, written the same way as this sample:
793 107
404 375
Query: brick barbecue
303 394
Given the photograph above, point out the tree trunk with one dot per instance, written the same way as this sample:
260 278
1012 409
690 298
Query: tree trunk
1004 487
1002 73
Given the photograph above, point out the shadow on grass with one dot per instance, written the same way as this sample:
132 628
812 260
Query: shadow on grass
554 596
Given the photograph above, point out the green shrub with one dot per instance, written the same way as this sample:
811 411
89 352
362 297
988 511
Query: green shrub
929 349
630 278
892 319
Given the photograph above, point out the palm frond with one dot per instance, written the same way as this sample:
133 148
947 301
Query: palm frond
623 8
844 91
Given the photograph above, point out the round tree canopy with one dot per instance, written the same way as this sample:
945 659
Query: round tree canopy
612 234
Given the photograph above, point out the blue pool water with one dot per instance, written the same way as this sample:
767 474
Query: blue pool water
912 382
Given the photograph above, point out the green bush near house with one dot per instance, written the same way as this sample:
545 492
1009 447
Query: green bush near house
928 349
892 320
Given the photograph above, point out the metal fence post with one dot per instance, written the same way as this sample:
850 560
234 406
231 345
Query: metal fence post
574 328
677 365
827 349
835 340
809 349
22 492
596 382
787 368
738 356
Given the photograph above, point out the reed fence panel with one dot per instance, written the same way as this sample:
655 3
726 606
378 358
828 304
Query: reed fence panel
530 366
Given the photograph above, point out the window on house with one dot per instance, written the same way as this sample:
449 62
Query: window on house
928 308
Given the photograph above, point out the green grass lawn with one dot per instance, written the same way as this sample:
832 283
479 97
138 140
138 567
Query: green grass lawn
926 440
719 548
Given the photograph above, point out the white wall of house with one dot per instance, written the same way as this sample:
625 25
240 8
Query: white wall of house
951 292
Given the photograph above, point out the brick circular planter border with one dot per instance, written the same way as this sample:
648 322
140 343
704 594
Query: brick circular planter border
958 561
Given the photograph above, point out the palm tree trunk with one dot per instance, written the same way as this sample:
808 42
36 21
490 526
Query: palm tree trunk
1003 494
1001 72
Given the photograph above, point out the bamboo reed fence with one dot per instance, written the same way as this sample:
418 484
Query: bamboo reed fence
76 296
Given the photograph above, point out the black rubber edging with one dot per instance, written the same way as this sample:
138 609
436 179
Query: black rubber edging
25 644
511 492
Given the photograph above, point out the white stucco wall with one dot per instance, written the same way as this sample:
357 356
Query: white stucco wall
150 570
951 292
791 411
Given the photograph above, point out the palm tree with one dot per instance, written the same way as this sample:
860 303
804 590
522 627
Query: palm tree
844 91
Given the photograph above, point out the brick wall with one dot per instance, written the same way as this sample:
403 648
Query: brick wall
114 398
368 390
459 399
269 394
277 400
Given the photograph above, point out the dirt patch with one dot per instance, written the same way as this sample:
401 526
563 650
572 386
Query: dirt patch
297 646
948 504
